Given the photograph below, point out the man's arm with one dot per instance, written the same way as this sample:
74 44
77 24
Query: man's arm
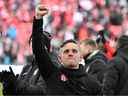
39 44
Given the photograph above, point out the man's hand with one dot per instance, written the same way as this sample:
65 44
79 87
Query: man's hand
40 11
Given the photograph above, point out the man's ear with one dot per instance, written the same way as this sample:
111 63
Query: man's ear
81 56
59 58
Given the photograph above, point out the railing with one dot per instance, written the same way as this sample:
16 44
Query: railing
16 68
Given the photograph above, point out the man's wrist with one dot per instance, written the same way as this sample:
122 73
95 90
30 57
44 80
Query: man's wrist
38 17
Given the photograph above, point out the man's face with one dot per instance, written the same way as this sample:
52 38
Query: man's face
85 49
70 55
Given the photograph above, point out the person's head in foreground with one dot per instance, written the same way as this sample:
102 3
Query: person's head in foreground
69 54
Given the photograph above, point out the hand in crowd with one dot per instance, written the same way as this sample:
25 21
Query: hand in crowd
40 11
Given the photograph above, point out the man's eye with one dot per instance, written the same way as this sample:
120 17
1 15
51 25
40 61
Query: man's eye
74 50
66 51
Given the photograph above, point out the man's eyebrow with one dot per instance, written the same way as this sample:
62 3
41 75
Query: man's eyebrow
71 49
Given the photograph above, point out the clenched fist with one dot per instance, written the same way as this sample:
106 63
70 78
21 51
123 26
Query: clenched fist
40 11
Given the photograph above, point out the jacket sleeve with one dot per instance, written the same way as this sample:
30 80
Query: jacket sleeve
37 89
25 88
97 69
40 49
110 80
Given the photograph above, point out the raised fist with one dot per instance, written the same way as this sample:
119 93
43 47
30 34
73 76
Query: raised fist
40 11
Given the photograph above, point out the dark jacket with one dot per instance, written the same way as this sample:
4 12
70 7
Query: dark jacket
30 82
59 80
115 80
95 64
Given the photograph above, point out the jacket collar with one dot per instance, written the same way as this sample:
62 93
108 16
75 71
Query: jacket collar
73 73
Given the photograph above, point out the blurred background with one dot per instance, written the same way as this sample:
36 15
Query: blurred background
67 19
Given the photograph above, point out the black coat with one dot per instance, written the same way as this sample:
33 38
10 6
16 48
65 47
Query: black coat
96 64
59 80
30 82
116 77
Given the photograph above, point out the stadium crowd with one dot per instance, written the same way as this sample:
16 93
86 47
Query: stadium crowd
69 47
67 19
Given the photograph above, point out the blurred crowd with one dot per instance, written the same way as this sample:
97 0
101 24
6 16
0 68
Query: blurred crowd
67 19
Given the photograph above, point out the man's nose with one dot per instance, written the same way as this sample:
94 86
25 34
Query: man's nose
70 53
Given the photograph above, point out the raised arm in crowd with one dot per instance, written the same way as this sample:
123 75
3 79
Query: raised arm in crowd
68 79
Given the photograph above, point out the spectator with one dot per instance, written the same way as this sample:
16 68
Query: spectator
6 59
64 15
115 81
94 59
67 79
30 81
